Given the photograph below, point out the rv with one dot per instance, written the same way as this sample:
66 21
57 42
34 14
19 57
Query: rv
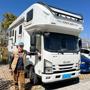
54 34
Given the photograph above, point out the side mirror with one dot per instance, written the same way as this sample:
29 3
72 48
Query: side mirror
80 43
33 43
32 49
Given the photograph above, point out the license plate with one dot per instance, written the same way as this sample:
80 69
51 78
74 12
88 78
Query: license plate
66 76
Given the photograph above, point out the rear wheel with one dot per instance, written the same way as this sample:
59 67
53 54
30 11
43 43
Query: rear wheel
32 76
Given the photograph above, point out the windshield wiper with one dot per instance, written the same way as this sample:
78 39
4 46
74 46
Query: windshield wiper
74 51
68 51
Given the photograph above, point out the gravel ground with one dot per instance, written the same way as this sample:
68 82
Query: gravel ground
6 82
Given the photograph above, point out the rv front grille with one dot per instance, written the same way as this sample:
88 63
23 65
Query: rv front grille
64 71
66 65
65 68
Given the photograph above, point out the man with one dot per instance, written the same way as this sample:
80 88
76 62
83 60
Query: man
19 58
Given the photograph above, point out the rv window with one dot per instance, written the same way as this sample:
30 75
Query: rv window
15 37
13 33
30 15
20 29
10 33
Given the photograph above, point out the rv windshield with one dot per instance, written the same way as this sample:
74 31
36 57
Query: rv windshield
55 42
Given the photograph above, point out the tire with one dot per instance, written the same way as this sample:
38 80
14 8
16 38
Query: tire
32 76
76 80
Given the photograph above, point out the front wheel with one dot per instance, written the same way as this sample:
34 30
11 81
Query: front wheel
32 76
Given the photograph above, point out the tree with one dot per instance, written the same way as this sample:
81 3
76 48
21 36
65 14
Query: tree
7 20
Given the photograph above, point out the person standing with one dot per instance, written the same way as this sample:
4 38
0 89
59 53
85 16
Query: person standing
17 66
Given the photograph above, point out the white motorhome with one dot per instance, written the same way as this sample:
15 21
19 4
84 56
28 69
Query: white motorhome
54 33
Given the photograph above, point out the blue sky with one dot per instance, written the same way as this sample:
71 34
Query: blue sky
79 6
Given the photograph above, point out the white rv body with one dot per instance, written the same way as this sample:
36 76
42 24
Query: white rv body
53 65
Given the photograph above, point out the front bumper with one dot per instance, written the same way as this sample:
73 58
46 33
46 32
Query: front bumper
48 78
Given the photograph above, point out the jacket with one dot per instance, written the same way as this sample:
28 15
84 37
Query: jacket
16 57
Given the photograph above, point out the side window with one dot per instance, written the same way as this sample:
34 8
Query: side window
20 29
84 51
10 33
15 36
38 43
30 15
13 33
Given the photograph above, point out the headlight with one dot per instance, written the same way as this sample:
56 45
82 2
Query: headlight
47 66
78 65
